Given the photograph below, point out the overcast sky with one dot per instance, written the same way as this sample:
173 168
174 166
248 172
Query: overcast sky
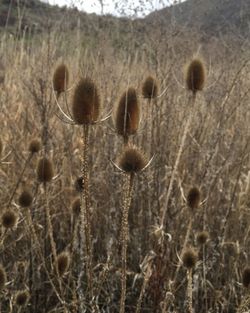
90 6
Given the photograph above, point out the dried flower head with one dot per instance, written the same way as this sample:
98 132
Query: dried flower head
34 146
63 261
9 219
246 277
86 102
132 160
195 76
149 88
79 184
60 79
189 258
22 298
76 206
45 170
202 237
127 116
3 277
193 198
25 199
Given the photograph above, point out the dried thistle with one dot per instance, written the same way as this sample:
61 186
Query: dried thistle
25 199
22 298
132 160
63 261
149 88
9 219
127 116
45 170
34 146
193 198
195 76
189 258
60 79
86 103
202 238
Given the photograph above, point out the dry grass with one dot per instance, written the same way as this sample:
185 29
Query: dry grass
214 157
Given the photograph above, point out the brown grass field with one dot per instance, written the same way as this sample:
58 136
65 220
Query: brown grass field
124 201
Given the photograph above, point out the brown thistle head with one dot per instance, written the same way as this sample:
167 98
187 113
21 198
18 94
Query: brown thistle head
193 198
60 79
3 277
150 88
189 258
63 261
127 115
9 219
22 298
195 76
132 160
86 102
25 199
246 277
79 184
202 238
45 171
34 146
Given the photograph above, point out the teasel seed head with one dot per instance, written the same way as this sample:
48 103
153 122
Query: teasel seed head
193 198
246 277
45 171
127 115
9 219
25 199
195 76
189 258
79 184
22 298
150 88
76 206
34 146
63 261
202 238
132 160
3 277
86 102
60 79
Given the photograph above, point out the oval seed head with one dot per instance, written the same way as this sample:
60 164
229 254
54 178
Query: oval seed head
127 116
150 88
76 206
246 277
202 238
193 198
22 298
45 170
25 199
34 146
189 258
3 277
9 219
60 79
63 261
79 184
132 160
195 76
86 102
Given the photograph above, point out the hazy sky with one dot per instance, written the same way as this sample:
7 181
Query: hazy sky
91 6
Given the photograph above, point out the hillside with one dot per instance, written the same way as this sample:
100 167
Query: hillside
213 17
